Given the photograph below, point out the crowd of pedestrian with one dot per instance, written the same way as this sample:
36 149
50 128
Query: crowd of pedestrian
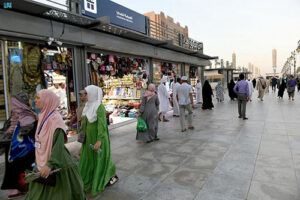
45 133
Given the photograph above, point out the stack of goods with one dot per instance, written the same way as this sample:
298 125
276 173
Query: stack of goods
123 81
57 61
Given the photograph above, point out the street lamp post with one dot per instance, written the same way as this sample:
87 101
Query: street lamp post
294 57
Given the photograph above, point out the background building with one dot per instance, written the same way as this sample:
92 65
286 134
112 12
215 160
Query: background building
274 60
163 26
234 60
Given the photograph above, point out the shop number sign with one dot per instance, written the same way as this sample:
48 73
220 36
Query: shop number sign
118 15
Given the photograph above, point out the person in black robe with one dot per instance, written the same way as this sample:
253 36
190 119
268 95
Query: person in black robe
254 83
207 94
231 93
281 89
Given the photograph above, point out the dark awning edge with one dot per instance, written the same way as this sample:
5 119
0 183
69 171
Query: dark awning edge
48 12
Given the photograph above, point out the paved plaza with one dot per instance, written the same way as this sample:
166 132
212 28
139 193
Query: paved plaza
224 158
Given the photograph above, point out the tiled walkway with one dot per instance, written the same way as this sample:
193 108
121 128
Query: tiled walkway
224 158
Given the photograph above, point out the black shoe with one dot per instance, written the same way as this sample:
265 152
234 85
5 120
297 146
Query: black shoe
240 116
149 141
156 139
245 118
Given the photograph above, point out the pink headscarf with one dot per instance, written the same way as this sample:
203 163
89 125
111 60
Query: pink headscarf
150 92
20 113
49 102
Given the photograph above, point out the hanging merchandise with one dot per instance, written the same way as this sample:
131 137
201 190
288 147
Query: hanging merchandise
31 66
123 80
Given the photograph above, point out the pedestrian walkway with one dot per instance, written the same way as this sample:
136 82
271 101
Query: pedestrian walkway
224 158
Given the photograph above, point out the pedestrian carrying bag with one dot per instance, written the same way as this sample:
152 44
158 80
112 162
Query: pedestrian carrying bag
141 125
82 135
21 146
263 86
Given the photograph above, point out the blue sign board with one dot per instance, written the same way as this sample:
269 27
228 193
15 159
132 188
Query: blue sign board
119 15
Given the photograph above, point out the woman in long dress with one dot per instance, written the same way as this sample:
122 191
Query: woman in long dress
281 89
51 154
23 115
207 94
149 112
95 165
231 93
219 92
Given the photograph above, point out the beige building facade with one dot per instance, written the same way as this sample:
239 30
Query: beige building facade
163 27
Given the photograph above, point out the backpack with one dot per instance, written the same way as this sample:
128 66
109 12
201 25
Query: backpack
292 83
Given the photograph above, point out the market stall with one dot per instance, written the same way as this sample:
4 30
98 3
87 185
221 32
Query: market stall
123 80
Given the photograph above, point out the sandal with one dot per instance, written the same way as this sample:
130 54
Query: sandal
113 180
183 130
191 128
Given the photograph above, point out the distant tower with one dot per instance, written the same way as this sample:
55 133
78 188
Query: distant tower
274 60
233 60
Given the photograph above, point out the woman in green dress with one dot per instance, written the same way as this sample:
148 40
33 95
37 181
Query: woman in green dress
95 165
51 154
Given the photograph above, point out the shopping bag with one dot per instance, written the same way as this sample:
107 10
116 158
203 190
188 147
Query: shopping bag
21 146
141 125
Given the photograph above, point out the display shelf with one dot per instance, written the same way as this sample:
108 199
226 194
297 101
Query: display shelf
113 98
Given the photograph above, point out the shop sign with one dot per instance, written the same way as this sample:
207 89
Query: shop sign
119 15
190 43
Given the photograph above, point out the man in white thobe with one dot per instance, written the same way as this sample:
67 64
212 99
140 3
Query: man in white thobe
251 89
198 88
164 103
175 102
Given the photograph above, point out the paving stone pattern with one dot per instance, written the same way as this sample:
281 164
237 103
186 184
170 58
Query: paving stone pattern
224 158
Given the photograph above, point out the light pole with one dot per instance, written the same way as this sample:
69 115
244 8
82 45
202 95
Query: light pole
294 57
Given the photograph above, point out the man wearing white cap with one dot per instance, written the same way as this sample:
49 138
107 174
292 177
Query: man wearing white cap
186 102
164 103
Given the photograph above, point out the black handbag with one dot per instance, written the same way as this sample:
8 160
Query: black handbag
50 180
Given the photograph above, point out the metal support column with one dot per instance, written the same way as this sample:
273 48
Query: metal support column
183 69
202 75
4 78
151 74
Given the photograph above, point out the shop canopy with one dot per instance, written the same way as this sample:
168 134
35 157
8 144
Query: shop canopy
101 24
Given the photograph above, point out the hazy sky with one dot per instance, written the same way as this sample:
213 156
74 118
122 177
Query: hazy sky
250 28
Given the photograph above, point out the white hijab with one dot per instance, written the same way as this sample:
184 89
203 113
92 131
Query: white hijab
94 101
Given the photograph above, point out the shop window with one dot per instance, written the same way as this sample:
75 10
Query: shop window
123 80
2 92
32 67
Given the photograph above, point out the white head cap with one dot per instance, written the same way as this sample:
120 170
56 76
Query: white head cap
184 78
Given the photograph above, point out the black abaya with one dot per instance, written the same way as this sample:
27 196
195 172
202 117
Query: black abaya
281 89
207 96
231 93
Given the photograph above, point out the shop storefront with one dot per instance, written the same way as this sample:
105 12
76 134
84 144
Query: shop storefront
32 66
123 80
171 71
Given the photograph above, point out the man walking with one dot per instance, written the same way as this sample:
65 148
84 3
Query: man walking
198 88
274 83
164 103
242 90
175 102
186 102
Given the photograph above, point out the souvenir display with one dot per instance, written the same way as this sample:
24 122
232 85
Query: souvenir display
123 81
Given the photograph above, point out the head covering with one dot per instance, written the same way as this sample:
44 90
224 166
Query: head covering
184 78
49 103
21 112
164 80
150 92
94 101
23 97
